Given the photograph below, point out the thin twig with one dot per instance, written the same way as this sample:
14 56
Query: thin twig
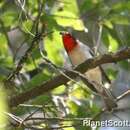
99 39
24 57
123 95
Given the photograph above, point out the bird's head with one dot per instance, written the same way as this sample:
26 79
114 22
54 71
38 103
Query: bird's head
69 41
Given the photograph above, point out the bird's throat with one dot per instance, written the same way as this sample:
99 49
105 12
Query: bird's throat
76 55
69 44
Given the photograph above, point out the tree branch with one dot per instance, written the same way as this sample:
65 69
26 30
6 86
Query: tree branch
60 79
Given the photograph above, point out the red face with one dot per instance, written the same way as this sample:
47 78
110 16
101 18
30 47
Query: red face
68 41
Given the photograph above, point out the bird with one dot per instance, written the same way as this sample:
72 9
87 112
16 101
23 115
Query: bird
78 53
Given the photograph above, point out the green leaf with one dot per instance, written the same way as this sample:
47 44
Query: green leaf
79 92
1 4
110 40
5 57
50 21
86 5
27 26
38 79
125 65
75 23
59 90
113 44
73 107
119 19
121 6
112 74
105 37
69 16
3 108
42 99
53 46
3 44
108 23
9 18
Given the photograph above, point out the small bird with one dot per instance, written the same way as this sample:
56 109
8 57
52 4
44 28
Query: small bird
78 53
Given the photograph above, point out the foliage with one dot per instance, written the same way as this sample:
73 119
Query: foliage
20 20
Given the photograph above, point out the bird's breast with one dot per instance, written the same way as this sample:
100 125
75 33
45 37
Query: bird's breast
78 56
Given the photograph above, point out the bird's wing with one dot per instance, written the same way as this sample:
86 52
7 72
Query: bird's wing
86 49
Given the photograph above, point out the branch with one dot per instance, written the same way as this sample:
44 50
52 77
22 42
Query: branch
123 95
25 56
60 79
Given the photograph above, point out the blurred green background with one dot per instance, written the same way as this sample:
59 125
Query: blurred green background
87 20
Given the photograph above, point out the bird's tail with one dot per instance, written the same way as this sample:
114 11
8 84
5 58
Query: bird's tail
106 95
109 99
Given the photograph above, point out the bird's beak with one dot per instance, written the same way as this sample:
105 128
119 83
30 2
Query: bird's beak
62 33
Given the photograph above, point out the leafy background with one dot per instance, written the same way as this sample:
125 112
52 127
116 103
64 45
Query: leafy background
83 18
